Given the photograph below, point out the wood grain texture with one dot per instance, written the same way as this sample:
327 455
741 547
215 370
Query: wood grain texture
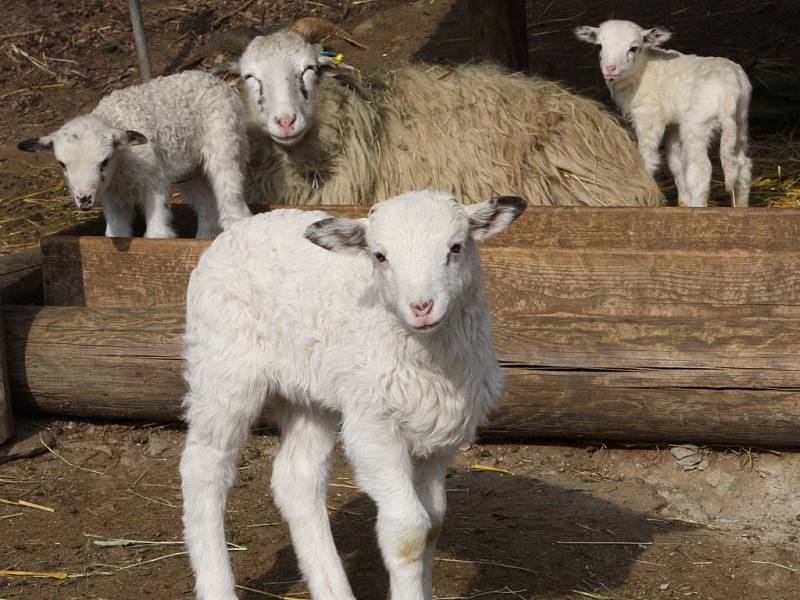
610 261
6 415
657 380
21 277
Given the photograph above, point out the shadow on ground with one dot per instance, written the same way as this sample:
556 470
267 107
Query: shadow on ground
529 537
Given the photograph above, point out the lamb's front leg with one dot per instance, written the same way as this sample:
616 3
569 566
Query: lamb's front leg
299 487
649 132
430 474
157 213
119 218
384 469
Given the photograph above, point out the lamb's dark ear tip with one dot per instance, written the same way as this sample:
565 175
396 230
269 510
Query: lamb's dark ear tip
516 202
312 232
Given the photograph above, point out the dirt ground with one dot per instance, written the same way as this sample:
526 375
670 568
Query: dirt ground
562 522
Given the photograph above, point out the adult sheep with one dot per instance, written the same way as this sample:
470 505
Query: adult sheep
475 130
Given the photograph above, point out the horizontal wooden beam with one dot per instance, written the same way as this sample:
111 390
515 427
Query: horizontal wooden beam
606 261
727 381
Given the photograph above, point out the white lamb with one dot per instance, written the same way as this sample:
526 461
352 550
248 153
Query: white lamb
378 326
187 129
684 96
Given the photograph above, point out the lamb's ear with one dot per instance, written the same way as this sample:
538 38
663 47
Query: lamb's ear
493 216
348 236
585 33
657 35
129 138
35 144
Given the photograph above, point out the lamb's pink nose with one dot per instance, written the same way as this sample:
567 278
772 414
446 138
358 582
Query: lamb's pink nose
611 69
422 309
286 122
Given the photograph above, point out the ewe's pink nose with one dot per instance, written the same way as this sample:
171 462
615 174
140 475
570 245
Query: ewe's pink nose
286 122
611 69
422 309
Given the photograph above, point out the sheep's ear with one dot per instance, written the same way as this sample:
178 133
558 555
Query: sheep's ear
35 144
585 33
657 35
493 216
130 138
348 236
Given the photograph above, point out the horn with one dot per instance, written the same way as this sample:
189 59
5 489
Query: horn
233 41
314 30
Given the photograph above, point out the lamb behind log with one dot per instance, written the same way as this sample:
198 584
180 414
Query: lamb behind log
475 130
684 97
187 128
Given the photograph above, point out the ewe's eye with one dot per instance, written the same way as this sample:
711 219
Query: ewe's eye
634 48
307 69
63 166
380 257
455 249
104 163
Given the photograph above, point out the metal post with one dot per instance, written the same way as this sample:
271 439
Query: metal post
140 38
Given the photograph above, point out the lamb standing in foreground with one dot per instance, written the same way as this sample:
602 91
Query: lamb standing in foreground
377 324
187 129
684 96
474 130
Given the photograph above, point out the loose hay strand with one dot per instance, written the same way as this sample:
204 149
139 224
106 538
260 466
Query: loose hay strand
57 455
27 504
765 562
267 594
48 574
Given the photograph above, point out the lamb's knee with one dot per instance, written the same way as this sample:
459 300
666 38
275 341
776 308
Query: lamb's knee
412 542
203 467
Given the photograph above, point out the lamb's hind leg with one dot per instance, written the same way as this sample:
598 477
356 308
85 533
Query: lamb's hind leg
694 141
219 417
199 195
299 487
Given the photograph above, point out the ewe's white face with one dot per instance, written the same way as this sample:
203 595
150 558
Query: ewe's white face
85 148
280 74
423 248
621 43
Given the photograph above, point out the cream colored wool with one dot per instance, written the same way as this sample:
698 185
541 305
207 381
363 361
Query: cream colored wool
475 131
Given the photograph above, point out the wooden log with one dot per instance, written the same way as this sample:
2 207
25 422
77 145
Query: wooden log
6 416
498 32
21 277
729 381
644 262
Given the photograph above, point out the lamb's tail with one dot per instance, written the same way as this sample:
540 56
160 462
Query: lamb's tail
733 143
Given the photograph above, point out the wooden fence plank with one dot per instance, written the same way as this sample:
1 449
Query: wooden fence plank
6 415
734 382
597 261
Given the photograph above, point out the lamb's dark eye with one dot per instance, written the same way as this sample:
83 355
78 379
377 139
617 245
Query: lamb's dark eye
455 249
634 49
104 163
380 257
63 166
